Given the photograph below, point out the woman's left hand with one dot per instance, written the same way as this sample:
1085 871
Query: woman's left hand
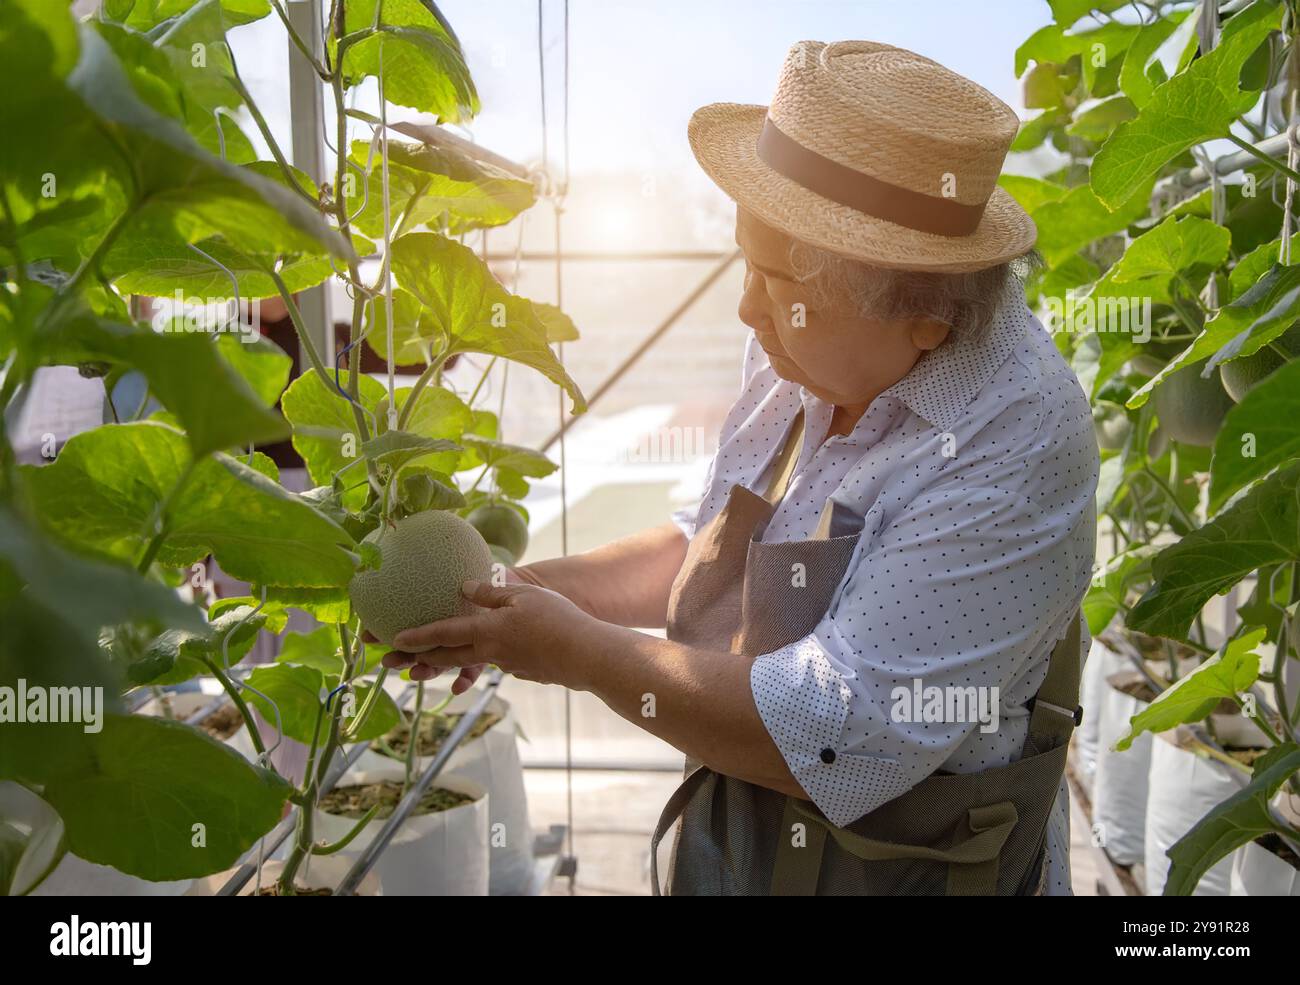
532 633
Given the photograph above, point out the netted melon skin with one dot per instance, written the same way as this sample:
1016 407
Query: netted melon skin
425 559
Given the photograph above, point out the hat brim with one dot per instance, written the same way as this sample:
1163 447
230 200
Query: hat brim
724 139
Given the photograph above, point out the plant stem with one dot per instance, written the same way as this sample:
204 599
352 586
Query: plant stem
299 43
413 745
158 520
299 326
265 131
367 706
232 689
101 249
421 382
1272 162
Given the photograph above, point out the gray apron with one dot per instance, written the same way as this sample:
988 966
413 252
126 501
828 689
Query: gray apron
952 834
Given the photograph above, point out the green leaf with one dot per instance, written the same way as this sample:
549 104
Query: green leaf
1066 12
105 593
559 326
1242 327
1031 193
1196 105
1133 75
473 309
414 337
1241 818
1034 131
1260 528
1255 264
1266 416
214 403
148 789
325 428
146 14
438 186
1188 248
107 484
327 605
262 364
1110 586
440 415
1078 218
396 448
178 656
423 66
299 691
518 459
318 649
180 187
1097 122
1191 699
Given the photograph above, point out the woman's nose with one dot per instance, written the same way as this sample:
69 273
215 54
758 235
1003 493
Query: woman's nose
752 311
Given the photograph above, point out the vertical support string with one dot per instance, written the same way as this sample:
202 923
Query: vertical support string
388 248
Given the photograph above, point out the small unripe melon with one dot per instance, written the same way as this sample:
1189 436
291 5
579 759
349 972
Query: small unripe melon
503 527
425 558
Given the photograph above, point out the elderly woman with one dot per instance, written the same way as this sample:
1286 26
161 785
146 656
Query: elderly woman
873 630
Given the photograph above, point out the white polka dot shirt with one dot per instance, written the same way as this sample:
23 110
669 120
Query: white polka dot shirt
972 482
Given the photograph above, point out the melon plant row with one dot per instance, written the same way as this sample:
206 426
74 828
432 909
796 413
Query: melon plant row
1177 302
128 170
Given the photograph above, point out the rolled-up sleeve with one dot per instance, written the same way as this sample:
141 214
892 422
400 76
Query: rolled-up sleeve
962 592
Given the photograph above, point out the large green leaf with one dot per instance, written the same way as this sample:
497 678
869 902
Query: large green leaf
325 428
106 487
1243 327
177 186
397 448
435 185
1195 105
1260 528
1258 435
1241 818
262 364
160 800
1191 699
423 66
473 309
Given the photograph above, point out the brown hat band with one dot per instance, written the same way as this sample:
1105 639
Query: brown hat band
830 179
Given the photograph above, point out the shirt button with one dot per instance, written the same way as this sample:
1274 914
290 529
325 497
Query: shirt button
828 756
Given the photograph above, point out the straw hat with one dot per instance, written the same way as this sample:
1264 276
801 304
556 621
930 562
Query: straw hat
874 153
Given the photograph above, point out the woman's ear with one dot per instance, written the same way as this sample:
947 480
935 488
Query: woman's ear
928 333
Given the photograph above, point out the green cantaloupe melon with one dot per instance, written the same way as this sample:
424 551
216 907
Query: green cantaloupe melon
503 527
1242 375
1190 408
425 558
1111 423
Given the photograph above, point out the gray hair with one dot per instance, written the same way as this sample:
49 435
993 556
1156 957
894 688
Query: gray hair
965 301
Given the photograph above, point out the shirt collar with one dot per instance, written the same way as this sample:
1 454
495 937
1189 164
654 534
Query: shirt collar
945 380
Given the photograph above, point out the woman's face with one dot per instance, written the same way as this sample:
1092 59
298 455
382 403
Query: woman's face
840 356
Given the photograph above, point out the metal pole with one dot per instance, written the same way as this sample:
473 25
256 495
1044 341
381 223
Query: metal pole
370 854
648 343
306 117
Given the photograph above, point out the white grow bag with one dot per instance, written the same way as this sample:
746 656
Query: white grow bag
1119 802
1087 736
443 854
1184 787
1258 872
492 760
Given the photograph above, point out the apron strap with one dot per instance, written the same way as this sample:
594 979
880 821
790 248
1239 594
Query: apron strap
668 817
972 858
1056 705
782 470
